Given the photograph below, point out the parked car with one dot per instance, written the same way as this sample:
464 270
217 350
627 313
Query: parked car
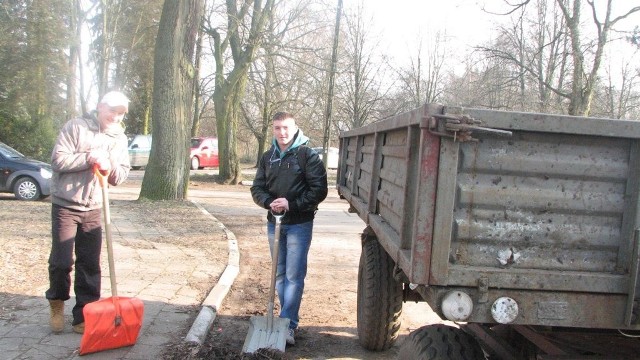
204 152
139 149
27 178
332 158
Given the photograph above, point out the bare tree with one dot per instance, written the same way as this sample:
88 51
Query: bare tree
167 174
586 55
422 80
109 18
621 99
75 25
132 60
533 53
363 74
195 125
290 73
279 77
584 79
122 48
242 38
331 83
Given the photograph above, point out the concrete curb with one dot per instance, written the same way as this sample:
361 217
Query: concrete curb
201 326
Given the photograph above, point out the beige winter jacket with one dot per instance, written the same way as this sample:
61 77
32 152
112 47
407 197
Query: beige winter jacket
74 185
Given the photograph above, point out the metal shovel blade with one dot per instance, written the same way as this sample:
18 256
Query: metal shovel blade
260 336
268 332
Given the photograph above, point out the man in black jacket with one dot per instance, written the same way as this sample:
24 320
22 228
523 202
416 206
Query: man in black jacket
291 178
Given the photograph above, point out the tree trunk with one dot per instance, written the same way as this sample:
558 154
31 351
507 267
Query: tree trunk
330 90
227 104
195 126
230 89
72 88
263 135
105 52
167 174
583 86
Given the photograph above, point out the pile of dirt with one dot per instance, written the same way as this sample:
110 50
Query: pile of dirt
191 351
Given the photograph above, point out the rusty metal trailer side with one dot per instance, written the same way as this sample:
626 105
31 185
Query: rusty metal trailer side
546 217
379 162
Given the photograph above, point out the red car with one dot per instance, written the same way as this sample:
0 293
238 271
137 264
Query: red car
204 152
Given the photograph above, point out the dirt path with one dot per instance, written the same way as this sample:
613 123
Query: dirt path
328 312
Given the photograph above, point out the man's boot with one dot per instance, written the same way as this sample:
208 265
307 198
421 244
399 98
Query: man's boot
78 328
57 315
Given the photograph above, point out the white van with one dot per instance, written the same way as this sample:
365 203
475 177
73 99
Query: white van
139 149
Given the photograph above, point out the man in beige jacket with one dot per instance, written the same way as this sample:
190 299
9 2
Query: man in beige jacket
95 140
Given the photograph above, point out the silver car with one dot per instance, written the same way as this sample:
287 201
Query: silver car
332 158
139 150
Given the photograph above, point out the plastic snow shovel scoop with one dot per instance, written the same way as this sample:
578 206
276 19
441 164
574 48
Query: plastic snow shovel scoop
115 321
268 332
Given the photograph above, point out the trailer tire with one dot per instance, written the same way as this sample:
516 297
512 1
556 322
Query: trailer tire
440 341
379 296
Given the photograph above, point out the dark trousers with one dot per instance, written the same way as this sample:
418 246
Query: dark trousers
84 230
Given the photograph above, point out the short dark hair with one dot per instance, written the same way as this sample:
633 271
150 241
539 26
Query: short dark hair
282 115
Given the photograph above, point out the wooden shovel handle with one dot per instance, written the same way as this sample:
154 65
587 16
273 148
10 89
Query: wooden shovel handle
107 227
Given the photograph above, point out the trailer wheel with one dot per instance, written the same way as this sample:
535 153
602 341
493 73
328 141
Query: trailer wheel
440 341
379 296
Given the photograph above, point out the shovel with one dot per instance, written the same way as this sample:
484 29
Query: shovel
115 321
268 332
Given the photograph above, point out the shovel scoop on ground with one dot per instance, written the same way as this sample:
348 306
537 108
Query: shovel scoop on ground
268 332
115 321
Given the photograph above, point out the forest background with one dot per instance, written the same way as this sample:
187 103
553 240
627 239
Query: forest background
223 68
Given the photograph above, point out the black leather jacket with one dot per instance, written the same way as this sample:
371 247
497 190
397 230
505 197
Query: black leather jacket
304 188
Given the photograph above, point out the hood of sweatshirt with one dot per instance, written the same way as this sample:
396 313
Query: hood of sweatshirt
298 139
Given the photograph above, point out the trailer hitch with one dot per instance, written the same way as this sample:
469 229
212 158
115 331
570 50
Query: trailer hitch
459 127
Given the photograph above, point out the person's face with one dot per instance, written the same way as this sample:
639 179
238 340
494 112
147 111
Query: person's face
110 116
284 131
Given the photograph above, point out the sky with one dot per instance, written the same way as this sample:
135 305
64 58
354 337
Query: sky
465 22
402 22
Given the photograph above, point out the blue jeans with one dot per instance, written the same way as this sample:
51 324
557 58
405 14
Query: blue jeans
295 241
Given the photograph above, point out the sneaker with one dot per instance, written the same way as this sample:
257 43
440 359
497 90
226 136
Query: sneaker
78 328
56 320
290 337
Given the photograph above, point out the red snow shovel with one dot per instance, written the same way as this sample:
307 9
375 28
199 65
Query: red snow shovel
113 322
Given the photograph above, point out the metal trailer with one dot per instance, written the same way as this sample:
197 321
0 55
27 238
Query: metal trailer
519 227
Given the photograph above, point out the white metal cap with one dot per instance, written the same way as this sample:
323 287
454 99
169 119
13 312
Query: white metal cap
457 306
504 310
